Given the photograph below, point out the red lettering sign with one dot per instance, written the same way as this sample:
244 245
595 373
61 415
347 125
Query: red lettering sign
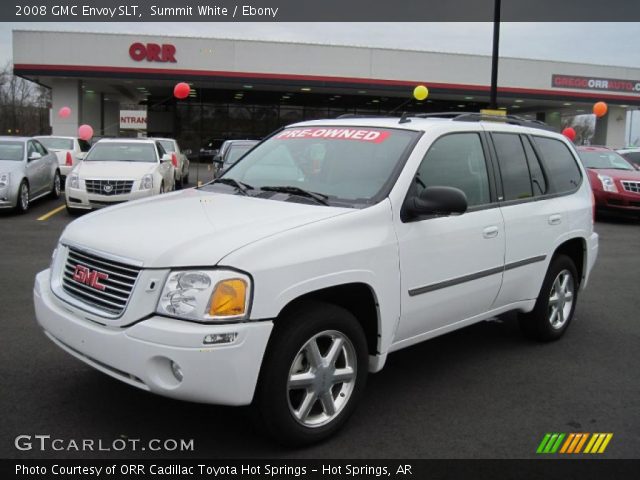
152 52
342 133
594 83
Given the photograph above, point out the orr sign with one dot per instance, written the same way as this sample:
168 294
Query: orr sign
595 83
152 52
133 119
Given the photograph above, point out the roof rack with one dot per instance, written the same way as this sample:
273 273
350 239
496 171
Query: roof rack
478 117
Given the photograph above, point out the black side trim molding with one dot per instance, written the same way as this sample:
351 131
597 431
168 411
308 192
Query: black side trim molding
475 276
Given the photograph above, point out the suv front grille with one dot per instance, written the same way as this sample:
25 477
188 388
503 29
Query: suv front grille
115 281
109 187
629 186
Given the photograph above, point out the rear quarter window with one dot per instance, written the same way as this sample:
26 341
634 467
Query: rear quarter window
563 171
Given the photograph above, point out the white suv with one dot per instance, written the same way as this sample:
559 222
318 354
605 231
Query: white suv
330 245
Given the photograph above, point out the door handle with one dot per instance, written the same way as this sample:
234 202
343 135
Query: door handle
490 232
555 219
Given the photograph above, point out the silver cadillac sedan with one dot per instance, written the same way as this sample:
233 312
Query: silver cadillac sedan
27 172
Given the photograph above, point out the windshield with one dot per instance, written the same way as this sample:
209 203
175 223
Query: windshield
235 152
167 145
603 160
346 164
56 143
122 152
11 151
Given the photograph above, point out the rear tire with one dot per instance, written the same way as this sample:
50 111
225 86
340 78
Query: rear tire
556 302
57 186
22 204
313 374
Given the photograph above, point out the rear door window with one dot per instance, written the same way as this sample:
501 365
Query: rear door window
538 181
514 170
561 166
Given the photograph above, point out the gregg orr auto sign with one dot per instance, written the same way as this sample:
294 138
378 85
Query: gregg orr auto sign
595 83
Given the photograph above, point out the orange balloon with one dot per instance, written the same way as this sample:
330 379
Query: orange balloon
600 109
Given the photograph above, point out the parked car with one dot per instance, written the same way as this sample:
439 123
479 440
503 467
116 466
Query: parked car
615 182
327 247
69 150
632 155
230 153
179 159
210 149
118 170
27 172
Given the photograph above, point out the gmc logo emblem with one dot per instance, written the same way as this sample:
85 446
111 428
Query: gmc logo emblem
152 52
90 277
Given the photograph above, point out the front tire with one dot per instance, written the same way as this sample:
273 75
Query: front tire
556 302
313 374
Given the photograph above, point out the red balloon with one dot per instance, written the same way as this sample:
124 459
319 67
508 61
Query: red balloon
64 112
600 109
85 132
570 133
181 90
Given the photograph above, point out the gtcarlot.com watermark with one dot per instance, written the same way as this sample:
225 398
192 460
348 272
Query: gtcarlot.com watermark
44 443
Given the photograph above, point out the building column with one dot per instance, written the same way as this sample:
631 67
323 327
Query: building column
65 93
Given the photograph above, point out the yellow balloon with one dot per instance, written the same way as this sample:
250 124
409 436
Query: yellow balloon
420 92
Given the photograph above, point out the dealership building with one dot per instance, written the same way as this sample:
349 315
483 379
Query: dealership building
122 84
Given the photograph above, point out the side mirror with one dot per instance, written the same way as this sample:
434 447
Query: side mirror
166 158
35 156
438 201
81 155
217 158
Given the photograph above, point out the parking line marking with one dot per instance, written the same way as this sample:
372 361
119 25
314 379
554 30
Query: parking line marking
47 216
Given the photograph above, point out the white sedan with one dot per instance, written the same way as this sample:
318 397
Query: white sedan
179 159
118 170
69 150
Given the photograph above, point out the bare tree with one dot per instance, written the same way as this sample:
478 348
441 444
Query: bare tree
24 105
584 125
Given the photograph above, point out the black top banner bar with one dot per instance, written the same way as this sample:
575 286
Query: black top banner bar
317 11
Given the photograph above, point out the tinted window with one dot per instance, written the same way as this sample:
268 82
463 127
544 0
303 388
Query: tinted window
57 143
514 170
538 182
40 149
30 149
11 150
564 174
84 145
121 152
456 160
348 164
161 150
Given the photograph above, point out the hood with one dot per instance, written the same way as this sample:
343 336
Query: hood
633 175
190 227
114 170
8 166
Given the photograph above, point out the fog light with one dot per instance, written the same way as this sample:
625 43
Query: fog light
177 371
220 338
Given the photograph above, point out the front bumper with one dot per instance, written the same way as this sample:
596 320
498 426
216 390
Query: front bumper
8 197
81 199
622 201
141 354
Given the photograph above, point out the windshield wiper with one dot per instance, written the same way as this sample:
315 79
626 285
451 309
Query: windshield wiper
301 192
240 186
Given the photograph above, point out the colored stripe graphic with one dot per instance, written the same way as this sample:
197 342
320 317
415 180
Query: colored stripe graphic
572 443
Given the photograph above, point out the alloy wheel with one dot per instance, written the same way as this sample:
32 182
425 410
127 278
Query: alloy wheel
561 299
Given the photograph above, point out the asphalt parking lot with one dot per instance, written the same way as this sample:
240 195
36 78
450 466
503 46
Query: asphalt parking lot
482 392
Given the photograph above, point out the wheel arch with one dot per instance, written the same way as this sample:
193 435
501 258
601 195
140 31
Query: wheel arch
358 298
576 249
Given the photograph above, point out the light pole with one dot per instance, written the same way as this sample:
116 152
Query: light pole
493 101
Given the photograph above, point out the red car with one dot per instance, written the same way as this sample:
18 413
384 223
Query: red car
614 181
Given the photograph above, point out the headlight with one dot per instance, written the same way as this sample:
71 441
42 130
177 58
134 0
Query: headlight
206 295
73 181
147 182
608 185
4 179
